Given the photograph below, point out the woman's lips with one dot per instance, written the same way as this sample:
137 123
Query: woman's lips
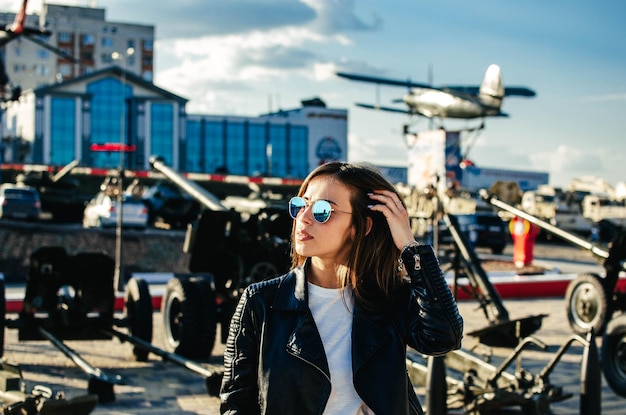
303 236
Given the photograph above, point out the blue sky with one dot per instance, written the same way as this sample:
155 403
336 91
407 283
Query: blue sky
249 56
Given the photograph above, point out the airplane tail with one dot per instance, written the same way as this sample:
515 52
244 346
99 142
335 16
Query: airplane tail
492 89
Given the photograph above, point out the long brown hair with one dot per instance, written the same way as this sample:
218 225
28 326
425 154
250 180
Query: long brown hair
372 260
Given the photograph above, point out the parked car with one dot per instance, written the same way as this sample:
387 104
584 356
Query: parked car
19 202
486 230
102 212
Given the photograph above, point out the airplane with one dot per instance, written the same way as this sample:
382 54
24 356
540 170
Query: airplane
16 30
449 101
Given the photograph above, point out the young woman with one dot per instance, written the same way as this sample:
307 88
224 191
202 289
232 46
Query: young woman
330 336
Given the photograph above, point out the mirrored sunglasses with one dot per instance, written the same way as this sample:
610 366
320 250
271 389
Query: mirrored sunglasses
320 209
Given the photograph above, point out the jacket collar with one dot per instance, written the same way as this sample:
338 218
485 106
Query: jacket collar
292 292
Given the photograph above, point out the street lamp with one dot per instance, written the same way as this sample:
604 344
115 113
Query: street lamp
118 274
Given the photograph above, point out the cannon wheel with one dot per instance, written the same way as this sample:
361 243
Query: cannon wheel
208 315
138 311
2 316
613 355
188 310
588 304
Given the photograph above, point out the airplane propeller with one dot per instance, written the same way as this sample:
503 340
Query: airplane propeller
18 29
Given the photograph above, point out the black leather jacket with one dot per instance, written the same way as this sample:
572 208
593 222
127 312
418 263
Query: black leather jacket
275 361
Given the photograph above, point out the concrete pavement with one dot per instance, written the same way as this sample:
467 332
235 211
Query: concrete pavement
157 387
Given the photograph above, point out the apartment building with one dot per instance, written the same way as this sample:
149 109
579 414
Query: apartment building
84 33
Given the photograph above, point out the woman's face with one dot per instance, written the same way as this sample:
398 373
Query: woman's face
329 241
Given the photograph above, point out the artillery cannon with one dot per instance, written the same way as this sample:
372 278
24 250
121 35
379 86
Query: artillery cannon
464 380
591 299
231 247
72 297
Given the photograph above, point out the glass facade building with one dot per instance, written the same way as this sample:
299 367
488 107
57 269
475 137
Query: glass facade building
246 146
89 118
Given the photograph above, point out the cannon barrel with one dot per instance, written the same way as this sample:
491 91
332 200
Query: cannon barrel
64 171
600 253
202 195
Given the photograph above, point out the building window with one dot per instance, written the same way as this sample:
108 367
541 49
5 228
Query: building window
106 58
278 141
87 39
148 44
297 155
235 148
65 69
194 159
42 70
257 150
62 130
108 42
130 43
108 116
43 53
86 56
64 37
214 147
162 131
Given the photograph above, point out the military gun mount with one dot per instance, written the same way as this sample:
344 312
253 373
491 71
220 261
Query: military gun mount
72 297
593 300
232 247
465 380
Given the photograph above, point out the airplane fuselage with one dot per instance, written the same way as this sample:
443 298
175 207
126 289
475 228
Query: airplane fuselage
439 104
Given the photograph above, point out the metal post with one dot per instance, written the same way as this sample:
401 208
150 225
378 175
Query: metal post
118 275
590 378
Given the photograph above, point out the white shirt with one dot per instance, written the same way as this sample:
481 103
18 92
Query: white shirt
334 323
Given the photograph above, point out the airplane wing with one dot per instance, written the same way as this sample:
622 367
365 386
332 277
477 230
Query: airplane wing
463 89
378 107
509 91
383 81
519 91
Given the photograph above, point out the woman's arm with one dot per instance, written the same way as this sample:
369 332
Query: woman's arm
239 392
435 325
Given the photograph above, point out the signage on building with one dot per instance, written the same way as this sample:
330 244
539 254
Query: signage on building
328 149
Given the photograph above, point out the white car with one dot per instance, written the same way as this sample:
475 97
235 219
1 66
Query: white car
102 212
